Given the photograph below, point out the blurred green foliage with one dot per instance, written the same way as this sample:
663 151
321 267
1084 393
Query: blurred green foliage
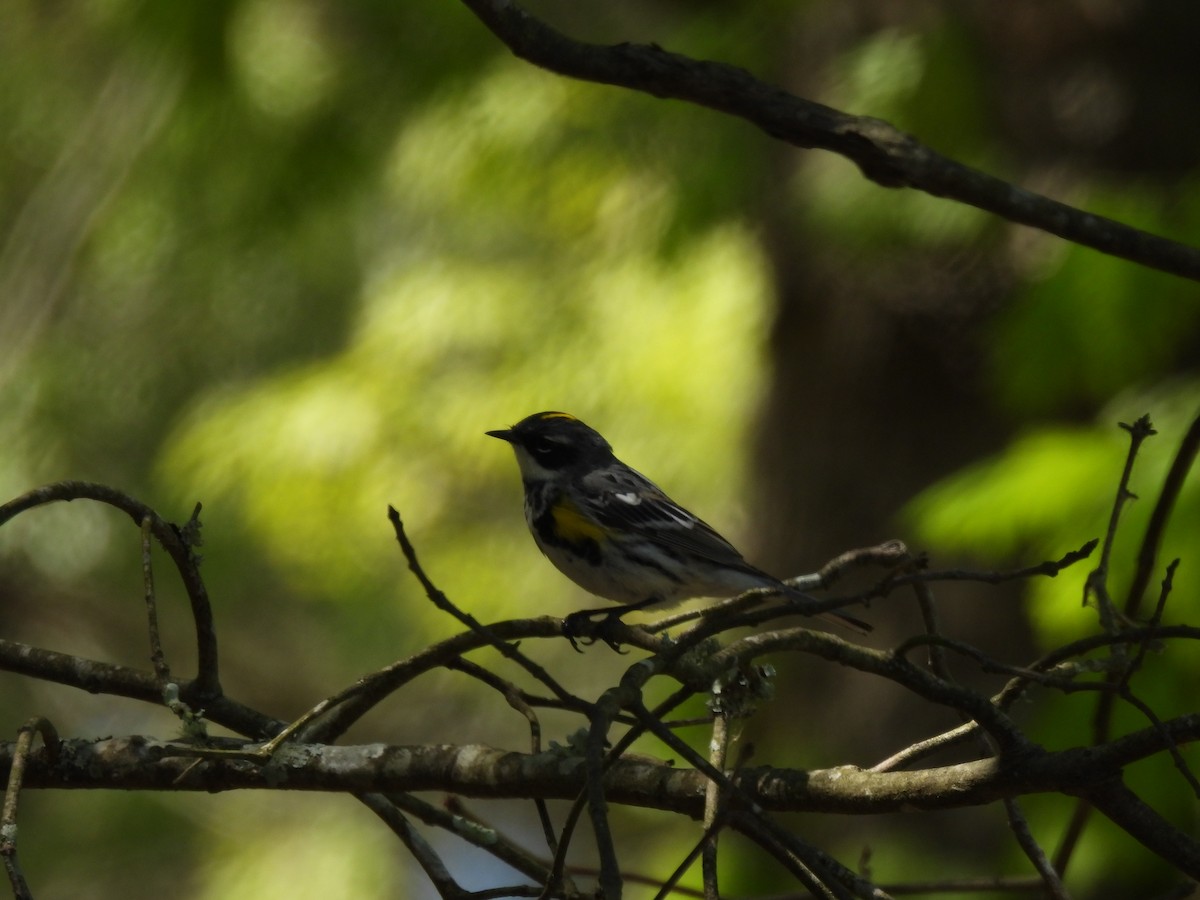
293 258
527 276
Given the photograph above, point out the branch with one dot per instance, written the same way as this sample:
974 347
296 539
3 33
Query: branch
1128 811
596 775
177 541
885 154
885 664
476 770
1185 457
1049 568
121 681
16 774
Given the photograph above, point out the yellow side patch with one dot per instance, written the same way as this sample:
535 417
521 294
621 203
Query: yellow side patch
572 526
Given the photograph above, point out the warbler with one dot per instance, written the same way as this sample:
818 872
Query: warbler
614 532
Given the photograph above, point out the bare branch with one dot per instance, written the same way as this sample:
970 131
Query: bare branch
442 602
16 775
1049 568
885 154
1019 826
121 681
139 763
157 658
177 541
600 778
426 857
1185 457
1159 836
882 663
1097 580
889 553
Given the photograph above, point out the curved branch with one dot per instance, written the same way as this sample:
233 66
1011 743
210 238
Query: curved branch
885 154
176 541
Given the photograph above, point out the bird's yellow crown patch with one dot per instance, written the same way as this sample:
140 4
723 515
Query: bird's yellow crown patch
557 415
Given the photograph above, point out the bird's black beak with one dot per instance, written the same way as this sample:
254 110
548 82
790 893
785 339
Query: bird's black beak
505 434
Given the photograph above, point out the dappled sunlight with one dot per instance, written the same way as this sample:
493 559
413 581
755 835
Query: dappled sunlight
893 74
61 542
1051 490
1088 325
293 259
862 218
663 352
254 851
537 181
1041 480
285 67
448 353
882 71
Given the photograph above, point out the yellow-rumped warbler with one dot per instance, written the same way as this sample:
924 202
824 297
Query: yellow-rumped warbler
613 531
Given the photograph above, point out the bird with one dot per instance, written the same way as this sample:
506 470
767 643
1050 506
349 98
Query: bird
615 533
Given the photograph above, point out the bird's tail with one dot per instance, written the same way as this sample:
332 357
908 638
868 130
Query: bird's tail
840 618
835 616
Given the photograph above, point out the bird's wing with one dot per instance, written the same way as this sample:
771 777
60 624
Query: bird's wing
627 500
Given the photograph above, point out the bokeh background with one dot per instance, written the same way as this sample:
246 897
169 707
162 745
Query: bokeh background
293 257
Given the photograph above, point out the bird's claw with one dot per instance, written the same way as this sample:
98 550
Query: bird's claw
583 627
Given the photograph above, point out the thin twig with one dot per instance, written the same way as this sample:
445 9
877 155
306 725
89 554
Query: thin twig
925 747
341 710
157 658
1019 826
627 694
1172 747
1097 580
670 887
16 776
800 859
1156 527
1065 683
513 697
466 824
933 629
1049 569
825 875
614 755
718 749
887 665
1081 814
1143 647
178 542
427 858
1097 583
1024 677
442 602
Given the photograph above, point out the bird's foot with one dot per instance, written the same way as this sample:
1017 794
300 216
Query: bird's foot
589 625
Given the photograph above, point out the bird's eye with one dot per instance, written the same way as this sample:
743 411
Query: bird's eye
551 453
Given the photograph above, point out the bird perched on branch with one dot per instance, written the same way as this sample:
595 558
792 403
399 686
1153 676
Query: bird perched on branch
615 533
